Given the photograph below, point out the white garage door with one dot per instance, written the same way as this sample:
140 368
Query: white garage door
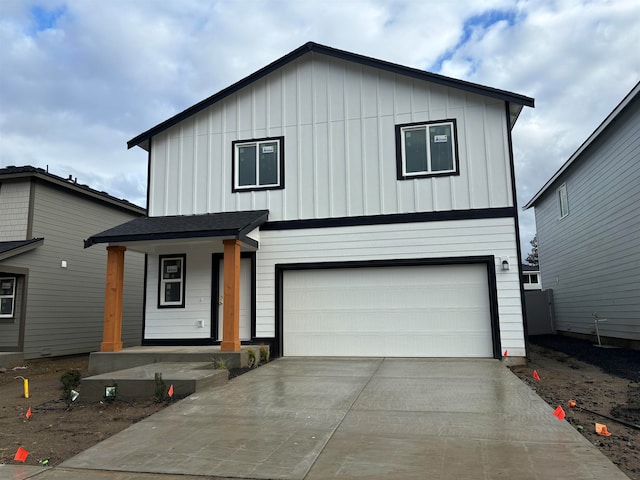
416 311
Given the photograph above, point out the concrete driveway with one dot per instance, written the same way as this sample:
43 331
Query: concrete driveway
322 418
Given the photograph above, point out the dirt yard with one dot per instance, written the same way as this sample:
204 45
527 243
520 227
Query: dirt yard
601 380
55 432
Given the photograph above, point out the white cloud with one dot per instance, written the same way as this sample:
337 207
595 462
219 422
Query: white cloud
81 78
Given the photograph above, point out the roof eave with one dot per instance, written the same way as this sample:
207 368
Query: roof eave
78 188
35 243
142 140
635 92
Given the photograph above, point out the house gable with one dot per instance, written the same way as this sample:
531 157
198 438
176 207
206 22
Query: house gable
516 101
338 119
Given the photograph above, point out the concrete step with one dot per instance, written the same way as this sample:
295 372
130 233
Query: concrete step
103 362
139 383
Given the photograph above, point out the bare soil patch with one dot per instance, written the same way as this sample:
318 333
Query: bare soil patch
603 382
57 431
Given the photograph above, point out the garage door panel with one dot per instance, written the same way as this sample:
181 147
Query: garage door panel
391 311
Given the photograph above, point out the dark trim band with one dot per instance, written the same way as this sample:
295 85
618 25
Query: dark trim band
476 214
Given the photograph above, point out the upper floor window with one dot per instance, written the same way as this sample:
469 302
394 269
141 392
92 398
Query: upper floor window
258 164
7 296
171 281
564 200
427 149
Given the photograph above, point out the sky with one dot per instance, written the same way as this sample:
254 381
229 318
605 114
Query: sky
79 78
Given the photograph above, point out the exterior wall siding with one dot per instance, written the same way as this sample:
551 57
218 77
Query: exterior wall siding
338 120
10 327
14 210
392 242
174 323
591 258
65 306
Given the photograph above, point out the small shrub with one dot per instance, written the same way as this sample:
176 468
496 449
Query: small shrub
161 388
70 380
220 364
264 354
251 362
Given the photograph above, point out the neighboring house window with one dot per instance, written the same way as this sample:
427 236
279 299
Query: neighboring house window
427 149
7 296
564 201
534 278
171 285
258 164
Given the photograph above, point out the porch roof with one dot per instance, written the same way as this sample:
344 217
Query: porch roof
12 248
227 224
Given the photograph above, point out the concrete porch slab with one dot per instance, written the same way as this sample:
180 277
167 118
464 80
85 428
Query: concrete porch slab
140 382
104 362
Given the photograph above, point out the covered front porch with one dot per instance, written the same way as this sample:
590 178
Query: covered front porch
228 236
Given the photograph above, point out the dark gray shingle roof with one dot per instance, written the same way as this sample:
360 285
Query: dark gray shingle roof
69 184
11 248
228 224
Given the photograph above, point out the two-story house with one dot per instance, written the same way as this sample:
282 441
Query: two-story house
332 204
588 226
51 287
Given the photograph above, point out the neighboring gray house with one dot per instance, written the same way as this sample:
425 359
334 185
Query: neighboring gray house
336 205
51 288
588 224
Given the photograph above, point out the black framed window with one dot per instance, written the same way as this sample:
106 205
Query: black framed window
7 296
427 149
258 164
171 281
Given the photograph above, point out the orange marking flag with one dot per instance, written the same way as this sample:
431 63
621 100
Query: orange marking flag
170 392
535 375
601 429
21 455
28 414
559 413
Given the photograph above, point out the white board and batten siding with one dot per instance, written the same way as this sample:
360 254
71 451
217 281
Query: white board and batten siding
176 323
338 122
591 257
446 239
194 320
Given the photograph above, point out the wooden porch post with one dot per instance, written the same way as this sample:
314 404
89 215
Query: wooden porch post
231 306
112 336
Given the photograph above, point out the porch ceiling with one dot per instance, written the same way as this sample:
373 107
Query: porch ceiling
179 227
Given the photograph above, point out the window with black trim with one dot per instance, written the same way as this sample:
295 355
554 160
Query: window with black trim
7 296
258 164
427 149
171 281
